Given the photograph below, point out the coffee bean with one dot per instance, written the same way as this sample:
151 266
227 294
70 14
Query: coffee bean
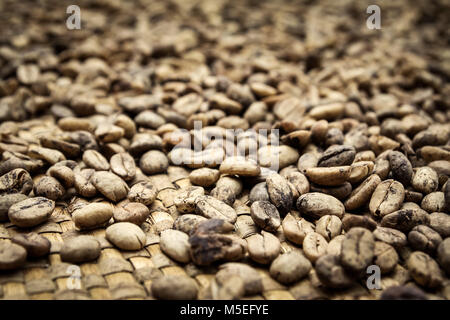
357 249
174 287
405 219
362 194
204 177
12 256
424 270
259 193
107 132
385 257
126 236
331 273
223 193
122 164
440 222
239 166
95 160
188 222
35 244
92 215
110 185
400 167
423 238
295 230
153 161
133 212
307 160
176 245
253 283
16 181
316 205
403 293
63 174
265 215
329 227
443 255
31 212
390 236
6 201
314 246
210 207
387 198
433 202
299 181
49 187
282 155
186 198
80 249
52 156
340 192
263 248
337 155
335 245
84 187
70 150
290 267
360 170
232 288
382 168
352 220
328 176
280 193
142 192
425 180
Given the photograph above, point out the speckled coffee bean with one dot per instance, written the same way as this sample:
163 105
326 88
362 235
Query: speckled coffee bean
314 246
174 287
424 270
175 244
80 249
331 273
391 236
265 215
337 155
210 207
263 248
357 249
16 181
185 198
423 238
133 212
316 205
153 161
405 219
142 192
126 236
224 193
400 167
123 165
92 215
387 198
329 226
110 185
204 177
35 244
354 220
443 255
433 202
83 186
290 267
362 194
425 180
12 256
259 193
63 174
329 176
295 230
307 160
280 193
188 222
31 212
95 160
299 181
385 257
6 201
340 192
440 222
239 166
49 187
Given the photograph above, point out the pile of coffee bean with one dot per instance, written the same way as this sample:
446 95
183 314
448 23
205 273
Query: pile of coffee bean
335 180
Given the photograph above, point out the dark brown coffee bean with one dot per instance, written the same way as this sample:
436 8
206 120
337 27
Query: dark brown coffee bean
265 215
400 167
35 244
133 212
423 238
12 256
280 193
290 267
387 198
174 287
316 205
337 155
31 212
405 219
357 249
331 273
424 270
80 249
122 164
